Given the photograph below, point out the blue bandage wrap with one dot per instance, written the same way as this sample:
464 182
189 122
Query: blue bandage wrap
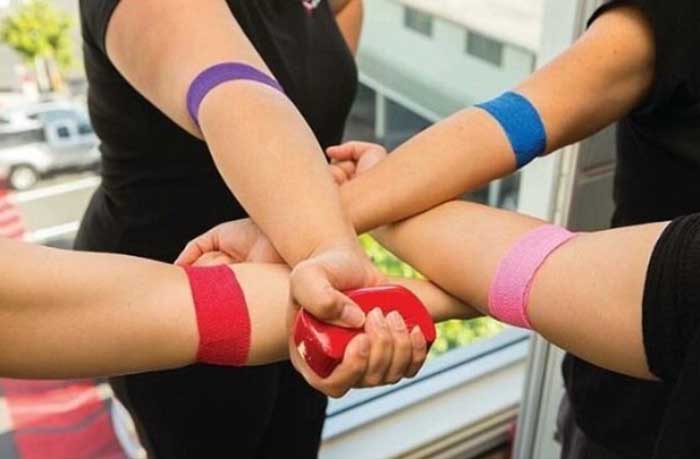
522 124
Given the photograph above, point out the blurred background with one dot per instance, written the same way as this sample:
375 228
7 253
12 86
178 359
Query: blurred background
420 60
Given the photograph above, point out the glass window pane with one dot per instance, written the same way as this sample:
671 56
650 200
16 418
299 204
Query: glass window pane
401 124
63 132
418 21
363 116
85 129
485 48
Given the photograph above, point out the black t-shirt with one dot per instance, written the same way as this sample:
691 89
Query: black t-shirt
671 324
160 186
657 178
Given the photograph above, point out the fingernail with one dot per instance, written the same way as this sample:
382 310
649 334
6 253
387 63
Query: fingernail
352 315
417 338
396 321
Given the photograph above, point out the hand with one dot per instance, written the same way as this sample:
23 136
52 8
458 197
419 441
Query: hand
354 158
240 240
386 352
214 259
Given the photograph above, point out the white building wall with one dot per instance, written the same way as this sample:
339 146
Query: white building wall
439 62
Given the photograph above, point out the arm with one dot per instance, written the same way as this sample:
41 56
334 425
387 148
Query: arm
586 298
605 74
72 314
265 151
349 14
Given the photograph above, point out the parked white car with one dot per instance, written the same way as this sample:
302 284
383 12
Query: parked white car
40 140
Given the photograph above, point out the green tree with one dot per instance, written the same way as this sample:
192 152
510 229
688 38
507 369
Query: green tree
40 33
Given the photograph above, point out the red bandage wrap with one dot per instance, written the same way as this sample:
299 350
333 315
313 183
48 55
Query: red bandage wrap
222 316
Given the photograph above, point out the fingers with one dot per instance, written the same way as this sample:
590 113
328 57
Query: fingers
381 350
197 247
384 354
310 287
352 151
240 240
369 160
342 171
213 259
338 174
403 349
345 376
346 166
420 352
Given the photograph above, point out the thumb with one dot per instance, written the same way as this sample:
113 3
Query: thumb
197 247
312 290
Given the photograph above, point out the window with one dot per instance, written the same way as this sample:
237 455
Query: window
418 21
362 121
485 48
401 124
85 129
63 132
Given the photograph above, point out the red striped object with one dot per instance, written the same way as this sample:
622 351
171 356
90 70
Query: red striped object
11 224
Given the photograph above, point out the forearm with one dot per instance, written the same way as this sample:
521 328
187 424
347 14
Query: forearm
586 298
73 314
263 148
275 167
68 314
594 83
349 15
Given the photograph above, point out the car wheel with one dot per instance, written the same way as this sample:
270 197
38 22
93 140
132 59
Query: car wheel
23 177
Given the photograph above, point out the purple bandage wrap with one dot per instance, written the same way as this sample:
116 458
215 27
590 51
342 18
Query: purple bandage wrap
510 287
220 73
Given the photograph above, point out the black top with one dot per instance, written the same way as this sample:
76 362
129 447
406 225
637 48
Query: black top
160 186
671 323
657 178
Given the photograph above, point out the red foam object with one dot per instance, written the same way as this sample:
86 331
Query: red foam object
323 345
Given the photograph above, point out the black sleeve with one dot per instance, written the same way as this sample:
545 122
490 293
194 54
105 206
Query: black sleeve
675 24
95 16
671 307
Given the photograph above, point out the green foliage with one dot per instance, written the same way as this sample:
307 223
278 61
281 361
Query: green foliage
451 334
37 29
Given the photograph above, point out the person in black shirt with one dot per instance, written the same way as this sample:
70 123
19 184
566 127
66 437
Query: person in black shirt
166 179
634 66
625 299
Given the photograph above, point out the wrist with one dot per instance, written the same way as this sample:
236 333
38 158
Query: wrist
346 243
356 205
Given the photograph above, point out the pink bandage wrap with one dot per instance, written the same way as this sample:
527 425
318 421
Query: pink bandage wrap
222 316
510 288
